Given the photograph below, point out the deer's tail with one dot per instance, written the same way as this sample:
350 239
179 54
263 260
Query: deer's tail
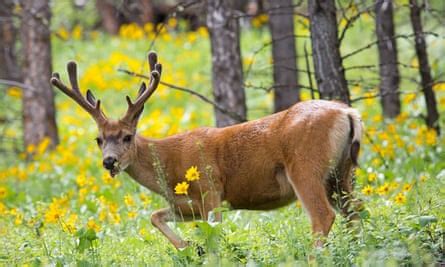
356 132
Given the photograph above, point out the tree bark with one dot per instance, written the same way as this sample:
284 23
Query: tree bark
432 118
109 16
329 71
9 69
146 15
227 73
281 25
38 99
387 49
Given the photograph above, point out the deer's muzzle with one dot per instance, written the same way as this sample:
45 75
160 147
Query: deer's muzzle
109 163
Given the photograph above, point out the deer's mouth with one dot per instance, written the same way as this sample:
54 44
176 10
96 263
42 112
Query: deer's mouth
115 170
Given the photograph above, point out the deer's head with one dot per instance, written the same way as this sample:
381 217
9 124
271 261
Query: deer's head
116 138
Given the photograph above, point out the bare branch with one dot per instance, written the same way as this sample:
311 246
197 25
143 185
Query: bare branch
350 21
233 115
266 44
404 36
17 84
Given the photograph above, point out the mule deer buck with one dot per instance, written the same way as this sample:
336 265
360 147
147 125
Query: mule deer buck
307 152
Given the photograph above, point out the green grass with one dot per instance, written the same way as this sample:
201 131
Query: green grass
111 230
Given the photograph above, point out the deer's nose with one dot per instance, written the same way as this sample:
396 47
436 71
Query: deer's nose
109 163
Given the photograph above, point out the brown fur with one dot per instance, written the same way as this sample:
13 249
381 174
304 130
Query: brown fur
258 165
307 151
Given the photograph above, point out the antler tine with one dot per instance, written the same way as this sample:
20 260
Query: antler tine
144 93
71 68
90 104
152 60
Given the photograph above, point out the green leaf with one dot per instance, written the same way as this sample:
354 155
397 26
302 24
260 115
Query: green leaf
36 262
91 206
427 219
90 234
364 214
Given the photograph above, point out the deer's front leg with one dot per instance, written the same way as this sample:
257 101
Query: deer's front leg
187 212
160 218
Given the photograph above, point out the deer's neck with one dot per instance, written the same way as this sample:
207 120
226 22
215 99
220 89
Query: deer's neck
143 167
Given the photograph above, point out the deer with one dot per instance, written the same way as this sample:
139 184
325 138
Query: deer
307 152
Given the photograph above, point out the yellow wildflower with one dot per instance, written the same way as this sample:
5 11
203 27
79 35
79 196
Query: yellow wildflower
367 190
407 187
440 86
82 194
143 232
401 117
148 27
116 218
3 192
431 137
181 188
14 92
359 172
146 200
41 148
384 189
192 174
172 23
81 180
264 18
298 204
415 63
132 214
18 218
372 177
412 125
69 225
63 33
3 208
400 198
76 34
53 214
393 185
376 162
30 148
91 224
423 178
129 200
408 98
106 177
102 215
377 118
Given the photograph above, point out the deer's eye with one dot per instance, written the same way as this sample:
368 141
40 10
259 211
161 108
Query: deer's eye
99 141
127 138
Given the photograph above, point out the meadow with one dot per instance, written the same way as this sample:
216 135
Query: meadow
63 208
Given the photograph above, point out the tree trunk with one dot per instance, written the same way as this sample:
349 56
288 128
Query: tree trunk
281 24
109 16
38 99
387 48
227 72
432 118
9 69
146 9
329 71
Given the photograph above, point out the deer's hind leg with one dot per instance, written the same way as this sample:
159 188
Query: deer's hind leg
309 187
